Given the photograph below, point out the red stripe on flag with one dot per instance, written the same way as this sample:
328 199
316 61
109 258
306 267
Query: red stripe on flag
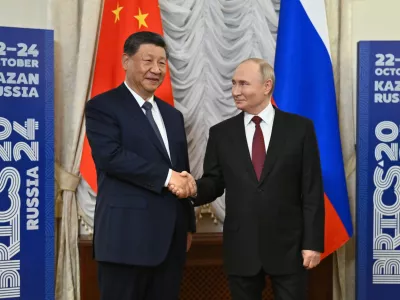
335 232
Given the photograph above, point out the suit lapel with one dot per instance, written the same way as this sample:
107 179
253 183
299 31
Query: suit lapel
276 144
242 147
169 122
132 105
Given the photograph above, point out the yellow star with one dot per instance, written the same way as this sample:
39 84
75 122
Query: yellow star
142 19
116 12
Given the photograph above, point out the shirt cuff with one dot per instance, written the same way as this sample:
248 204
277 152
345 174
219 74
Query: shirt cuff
168 178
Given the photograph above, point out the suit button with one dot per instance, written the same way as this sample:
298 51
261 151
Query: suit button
260 190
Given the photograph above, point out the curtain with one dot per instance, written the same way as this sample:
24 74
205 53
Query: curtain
207 39
340 30
75 24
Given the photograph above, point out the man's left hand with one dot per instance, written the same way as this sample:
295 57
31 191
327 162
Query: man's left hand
191 185
189 241
311 258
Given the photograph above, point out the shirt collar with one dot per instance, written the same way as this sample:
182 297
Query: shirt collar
267 115
138 98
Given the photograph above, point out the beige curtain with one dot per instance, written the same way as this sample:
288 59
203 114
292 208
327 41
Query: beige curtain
75 24
339 23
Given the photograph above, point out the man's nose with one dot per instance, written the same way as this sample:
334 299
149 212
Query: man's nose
236 90
155 68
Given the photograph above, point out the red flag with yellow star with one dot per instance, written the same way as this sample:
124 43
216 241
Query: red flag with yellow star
120 19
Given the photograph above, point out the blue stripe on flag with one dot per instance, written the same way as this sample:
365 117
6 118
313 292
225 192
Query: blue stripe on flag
305 86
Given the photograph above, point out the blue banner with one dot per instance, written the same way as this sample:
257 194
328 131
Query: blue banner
26 164
378 171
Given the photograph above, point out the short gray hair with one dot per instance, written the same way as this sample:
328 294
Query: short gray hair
266 70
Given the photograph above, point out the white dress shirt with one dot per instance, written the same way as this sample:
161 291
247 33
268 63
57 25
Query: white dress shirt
159 121
267 116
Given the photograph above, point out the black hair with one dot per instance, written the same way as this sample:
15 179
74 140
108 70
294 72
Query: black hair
135 40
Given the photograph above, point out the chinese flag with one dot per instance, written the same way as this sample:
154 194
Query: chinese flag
120 19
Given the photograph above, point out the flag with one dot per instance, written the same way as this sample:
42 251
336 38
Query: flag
305 86
120 19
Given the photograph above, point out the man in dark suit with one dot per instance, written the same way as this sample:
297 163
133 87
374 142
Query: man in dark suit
268 162
141 230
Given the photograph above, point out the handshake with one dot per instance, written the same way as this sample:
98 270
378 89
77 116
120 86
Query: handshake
182 184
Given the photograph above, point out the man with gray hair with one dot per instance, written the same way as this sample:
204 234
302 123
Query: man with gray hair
267 162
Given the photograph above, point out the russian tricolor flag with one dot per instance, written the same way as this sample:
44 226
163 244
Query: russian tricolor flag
305 86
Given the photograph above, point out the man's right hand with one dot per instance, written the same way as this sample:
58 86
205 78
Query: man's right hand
182 184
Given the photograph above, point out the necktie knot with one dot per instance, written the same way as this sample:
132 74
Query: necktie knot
147 106
257 120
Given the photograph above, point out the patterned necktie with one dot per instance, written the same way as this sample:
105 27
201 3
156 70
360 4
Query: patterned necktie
258 150
147 107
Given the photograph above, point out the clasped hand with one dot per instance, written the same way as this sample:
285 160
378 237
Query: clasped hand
182 184
311 259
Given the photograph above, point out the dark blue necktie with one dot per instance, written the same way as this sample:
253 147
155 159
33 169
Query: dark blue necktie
147 106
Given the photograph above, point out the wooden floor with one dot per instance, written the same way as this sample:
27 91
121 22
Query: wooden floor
204 278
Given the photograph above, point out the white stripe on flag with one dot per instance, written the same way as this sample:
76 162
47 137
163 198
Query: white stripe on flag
316 12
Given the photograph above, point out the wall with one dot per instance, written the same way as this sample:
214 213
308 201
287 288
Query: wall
373 20
376 19
370 20
24 13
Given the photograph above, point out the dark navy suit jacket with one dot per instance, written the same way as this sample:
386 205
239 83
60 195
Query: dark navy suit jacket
135 214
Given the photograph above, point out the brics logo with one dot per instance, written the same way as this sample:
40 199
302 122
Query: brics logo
386 199
10 228
10 195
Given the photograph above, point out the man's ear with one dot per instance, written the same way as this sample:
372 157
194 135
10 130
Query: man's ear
125 61
267 87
